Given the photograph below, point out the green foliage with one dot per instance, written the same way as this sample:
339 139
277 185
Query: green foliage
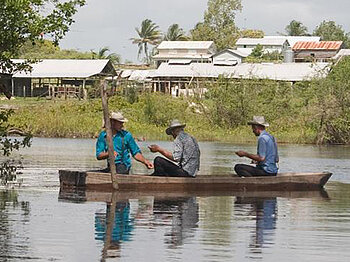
258 56
45 49
175 33
148 34
219 23
296 28
30 20
316 111
103 53
257 51
160 109
251 33
8 167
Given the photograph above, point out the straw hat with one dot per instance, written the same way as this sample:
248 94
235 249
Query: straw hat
258 120
118 116
174 123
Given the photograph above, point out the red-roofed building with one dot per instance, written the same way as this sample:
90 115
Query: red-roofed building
321 51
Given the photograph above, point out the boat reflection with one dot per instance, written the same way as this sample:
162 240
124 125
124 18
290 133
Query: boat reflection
177 214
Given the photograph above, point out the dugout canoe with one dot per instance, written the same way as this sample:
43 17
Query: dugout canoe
210 183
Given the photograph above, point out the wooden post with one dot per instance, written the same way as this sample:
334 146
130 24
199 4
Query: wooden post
84 90
103 85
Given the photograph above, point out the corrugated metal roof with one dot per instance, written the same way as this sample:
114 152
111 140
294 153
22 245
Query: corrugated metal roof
64 68
341 53
243 52
141 75
322 45
182 56
282 72
179 61
260 41
293 39
185 45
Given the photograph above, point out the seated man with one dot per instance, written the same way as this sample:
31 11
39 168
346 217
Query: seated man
123 144
186 154
266 158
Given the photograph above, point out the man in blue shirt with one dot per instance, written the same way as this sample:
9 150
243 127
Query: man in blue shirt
266 158
123 144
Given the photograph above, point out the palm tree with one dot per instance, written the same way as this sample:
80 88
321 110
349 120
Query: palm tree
103 54
296 28
175 33
148 35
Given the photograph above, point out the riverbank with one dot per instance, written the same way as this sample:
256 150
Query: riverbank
148 118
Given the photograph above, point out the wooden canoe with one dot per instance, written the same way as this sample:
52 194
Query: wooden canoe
210 183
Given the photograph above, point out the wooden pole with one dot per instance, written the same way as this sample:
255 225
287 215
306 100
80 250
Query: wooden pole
103 85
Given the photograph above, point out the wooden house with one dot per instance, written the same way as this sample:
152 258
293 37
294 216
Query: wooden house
316 51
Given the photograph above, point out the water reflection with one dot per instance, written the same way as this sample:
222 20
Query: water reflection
181 214
114 227
9 205
264 212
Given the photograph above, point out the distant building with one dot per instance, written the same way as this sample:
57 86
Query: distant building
191 78
293 39
230 57
316 51
59 77
341 54
184 52
269 45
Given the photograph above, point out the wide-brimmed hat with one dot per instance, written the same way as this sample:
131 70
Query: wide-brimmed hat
174 123
258 120
118 116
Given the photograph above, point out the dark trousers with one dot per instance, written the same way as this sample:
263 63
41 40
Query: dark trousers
163 167
247 170
121 169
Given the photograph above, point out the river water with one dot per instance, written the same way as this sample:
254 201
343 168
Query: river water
40 223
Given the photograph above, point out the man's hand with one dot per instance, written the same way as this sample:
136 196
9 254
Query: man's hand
241 153
148 164
154 148
115 154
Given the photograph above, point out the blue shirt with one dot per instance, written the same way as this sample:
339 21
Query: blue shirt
123 151
267 148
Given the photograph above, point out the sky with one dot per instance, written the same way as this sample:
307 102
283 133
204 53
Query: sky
112 23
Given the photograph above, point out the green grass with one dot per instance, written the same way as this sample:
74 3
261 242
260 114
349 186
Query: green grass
83 119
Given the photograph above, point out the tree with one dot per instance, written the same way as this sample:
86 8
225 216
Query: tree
31 20
219 23
251 33
330 31
257 51
296 28
22 21
103 54
46 49
148 34
175 33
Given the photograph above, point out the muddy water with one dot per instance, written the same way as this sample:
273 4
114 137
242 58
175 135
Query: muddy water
40 223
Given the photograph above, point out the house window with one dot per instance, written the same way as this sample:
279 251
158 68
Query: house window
244 46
